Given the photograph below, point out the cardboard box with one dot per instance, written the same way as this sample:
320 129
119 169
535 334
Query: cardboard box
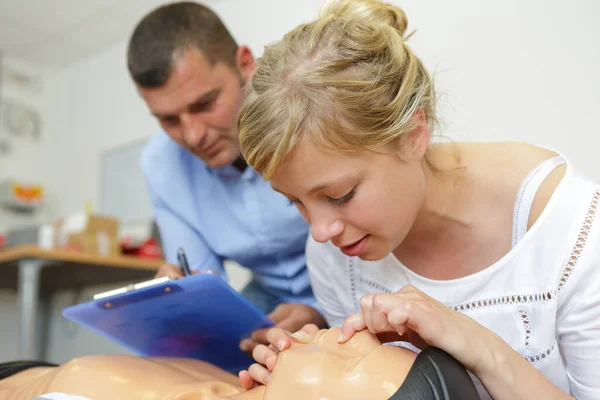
99 243
89 233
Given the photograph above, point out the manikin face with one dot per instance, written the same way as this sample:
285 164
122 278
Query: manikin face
364 202
199 104
326 370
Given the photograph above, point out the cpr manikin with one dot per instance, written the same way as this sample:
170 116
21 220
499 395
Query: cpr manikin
321 369
324 369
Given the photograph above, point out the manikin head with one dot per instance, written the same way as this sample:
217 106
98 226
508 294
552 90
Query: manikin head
360 368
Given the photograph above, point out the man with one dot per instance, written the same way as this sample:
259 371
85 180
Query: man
191 74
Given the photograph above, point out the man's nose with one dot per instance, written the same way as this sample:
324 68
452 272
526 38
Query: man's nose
193 131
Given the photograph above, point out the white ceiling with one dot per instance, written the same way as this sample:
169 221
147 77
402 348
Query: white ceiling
58 32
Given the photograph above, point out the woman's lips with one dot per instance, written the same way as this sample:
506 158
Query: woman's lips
356 248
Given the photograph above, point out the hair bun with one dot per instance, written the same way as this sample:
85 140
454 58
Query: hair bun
371 11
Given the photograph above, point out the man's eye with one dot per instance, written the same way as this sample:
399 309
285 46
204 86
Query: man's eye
170 121
201 107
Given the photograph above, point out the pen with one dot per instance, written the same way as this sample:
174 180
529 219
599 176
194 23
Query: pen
183 263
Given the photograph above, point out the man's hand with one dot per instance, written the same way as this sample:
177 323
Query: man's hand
289 317
174 271
169 270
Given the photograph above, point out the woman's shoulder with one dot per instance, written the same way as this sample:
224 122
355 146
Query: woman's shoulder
499 171
512 161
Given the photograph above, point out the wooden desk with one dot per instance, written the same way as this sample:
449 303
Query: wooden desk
42 272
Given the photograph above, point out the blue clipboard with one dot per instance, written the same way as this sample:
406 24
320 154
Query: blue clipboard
198 316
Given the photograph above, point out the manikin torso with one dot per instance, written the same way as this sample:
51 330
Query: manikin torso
322 369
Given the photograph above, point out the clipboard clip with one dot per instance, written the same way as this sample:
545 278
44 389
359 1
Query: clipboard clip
133 287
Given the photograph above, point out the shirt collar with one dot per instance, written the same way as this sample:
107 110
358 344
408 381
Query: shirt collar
229 171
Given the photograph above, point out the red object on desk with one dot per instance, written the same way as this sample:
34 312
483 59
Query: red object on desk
2 240
148 249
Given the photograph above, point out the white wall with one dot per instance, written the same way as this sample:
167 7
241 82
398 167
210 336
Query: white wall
506 70
510 70
97 108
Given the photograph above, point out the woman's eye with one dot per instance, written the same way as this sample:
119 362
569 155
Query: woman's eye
292 203
344 199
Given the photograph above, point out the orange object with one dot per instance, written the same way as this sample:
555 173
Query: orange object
28 193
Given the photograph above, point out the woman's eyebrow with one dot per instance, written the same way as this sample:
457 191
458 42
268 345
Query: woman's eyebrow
337 180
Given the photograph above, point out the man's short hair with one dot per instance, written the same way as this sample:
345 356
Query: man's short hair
168 32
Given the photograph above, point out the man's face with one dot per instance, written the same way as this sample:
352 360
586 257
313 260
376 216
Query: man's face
198 105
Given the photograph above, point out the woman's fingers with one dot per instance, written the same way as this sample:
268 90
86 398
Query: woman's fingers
423 321
246 380
351 325
262 354
306 334
375 309
408 308
406 314
266 356
279 338
259 373
382 305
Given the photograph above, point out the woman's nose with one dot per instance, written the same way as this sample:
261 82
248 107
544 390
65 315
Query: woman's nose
322 231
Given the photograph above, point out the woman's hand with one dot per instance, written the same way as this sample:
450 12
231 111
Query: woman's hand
266 356
289 317
423 321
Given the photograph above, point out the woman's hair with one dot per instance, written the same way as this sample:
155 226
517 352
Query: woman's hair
348 80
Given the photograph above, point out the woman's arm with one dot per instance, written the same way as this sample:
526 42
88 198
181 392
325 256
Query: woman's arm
422 320
506 374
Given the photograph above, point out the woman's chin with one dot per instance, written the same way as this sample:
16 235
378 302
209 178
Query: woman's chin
369 255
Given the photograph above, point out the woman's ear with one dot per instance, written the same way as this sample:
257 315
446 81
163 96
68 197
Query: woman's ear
417 142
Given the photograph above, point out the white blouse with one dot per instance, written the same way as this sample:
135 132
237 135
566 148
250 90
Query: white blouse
542 298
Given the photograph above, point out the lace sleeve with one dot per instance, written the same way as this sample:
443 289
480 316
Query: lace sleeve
578 319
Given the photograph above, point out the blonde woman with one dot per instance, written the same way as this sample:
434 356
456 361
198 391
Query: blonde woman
487 251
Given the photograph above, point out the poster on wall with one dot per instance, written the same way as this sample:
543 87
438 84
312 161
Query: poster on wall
20 119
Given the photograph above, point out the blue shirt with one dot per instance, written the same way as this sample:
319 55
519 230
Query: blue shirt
223 213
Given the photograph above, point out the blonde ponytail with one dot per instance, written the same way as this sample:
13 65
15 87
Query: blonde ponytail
371 11
348 80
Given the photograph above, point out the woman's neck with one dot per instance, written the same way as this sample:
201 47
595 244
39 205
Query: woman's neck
446 190
442 224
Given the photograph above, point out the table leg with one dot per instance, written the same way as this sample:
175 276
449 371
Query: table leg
29 287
